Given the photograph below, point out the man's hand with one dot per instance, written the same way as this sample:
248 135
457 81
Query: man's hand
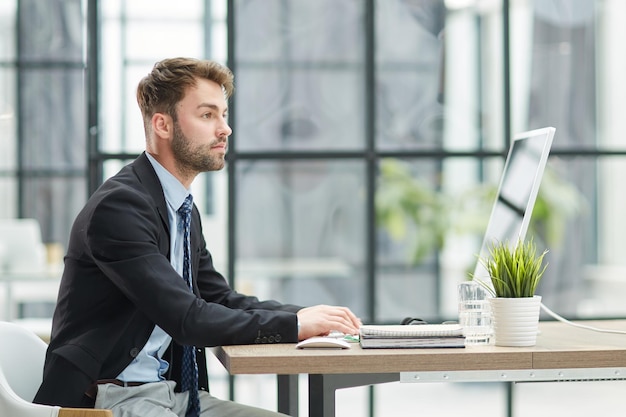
322 319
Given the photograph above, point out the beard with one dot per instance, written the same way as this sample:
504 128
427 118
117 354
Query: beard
194 159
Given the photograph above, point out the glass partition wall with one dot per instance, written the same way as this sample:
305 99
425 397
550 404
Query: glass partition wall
368 140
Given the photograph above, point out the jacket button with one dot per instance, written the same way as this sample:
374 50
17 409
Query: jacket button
134 352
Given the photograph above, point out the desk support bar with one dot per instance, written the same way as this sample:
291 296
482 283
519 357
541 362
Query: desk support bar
518 375
322 389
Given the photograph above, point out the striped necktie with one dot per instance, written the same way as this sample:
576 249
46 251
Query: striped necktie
189 368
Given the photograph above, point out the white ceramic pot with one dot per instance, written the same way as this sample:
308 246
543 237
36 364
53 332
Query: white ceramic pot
515 320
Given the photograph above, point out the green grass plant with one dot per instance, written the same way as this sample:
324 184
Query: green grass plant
514 272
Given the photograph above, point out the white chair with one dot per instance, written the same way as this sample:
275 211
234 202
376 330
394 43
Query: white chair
24 251
21 368
25 275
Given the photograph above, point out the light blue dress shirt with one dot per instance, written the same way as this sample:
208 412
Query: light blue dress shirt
149 365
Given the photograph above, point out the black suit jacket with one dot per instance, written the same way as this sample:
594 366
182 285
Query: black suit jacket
118 283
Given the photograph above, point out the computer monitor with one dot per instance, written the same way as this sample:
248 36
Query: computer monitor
517 192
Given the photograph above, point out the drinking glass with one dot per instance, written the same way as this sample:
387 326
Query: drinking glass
475 314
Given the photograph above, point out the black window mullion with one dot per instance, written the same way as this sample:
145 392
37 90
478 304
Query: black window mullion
18 105
371 159
95 162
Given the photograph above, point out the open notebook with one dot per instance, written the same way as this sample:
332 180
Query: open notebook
403 336
419 330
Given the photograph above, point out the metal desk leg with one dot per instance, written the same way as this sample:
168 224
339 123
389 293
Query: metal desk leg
288 395
509 398
322 389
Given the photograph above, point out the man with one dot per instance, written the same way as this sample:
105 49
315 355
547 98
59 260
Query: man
140 298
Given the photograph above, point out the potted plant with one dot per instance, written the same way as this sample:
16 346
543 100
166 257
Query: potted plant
515 273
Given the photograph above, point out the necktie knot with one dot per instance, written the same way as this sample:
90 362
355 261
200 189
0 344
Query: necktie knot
185 208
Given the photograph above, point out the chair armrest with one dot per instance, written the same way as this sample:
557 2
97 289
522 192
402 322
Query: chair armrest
84 412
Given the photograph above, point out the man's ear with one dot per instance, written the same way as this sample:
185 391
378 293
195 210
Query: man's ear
162 125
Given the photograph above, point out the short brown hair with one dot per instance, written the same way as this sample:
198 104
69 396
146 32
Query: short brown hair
164 87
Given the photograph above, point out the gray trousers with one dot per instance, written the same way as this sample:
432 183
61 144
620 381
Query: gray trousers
158 399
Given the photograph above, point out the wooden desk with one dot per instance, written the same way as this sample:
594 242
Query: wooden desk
562 353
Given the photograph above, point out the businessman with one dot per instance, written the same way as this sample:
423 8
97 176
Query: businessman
139 297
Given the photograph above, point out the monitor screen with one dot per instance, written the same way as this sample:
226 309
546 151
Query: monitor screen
517 192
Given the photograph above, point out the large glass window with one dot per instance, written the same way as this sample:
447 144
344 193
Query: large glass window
42 113
397 85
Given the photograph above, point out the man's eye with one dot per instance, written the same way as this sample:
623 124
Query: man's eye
207 115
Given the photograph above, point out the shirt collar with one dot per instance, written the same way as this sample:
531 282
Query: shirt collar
174 192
